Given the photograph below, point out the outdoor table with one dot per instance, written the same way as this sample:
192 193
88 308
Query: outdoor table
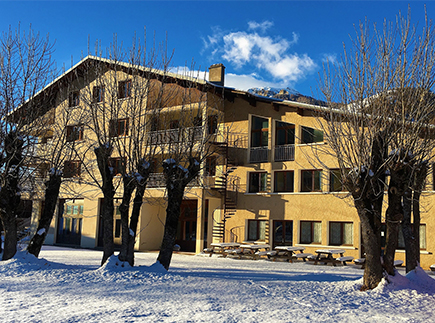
285 252
327 255
251 250
222 247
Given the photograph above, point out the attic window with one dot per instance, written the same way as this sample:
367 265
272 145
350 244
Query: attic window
74 98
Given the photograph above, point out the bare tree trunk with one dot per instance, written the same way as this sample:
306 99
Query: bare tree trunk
411 243
103 153
134 219
124 208
370 228
175 197
51 196
394 216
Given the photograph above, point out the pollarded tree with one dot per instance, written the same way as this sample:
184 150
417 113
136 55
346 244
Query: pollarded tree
377 123
25 68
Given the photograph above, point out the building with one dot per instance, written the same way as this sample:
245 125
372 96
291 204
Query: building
260 182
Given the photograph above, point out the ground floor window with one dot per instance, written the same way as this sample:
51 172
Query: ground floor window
340 233
311 232
282 233
401 243
256 230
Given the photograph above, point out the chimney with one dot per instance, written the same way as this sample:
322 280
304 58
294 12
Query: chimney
217 74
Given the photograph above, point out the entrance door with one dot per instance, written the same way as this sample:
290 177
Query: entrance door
186 233
69 227
282 233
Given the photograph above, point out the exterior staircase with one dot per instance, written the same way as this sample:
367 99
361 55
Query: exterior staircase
227 186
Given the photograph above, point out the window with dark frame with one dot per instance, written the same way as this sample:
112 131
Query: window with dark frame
71 168
285 133
210 166
335 181
311 232
311 181
174 124
118 165
212 122
98 94
259 132
283 181
311 135
257 182
74 99
74 133
256 230
118 127
124 89
340 233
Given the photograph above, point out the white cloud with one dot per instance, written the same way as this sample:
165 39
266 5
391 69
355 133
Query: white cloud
252 25
261 52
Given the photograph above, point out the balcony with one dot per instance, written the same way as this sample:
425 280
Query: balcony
258 154
175 135
158 180
284 152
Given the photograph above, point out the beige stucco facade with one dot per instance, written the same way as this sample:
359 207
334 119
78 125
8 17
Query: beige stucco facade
311 217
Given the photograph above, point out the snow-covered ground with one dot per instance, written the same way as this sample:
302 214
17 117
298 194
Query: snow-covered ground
67 285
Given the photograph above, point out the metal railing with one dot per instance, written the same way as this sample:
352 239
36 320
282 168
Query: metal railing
158 180
284 152
258 154
176 135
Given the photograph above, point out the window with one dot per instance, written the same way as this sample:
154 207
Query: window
118 165
401 243
118 127
210 166
71 168
310 135
74 133
98 94
124 89
74 98
174 124
311 232
212 122
282 233
285 133
340 233
257 182
256 230
259 132
283 181
311 181
335 181
73 208
118 223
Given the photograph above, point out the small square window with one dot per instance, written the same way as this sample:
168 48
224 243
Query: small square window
257 182
124 89
310 135
74 133
311 181
118 127
283 181
256 230
340 233
311 232
71 168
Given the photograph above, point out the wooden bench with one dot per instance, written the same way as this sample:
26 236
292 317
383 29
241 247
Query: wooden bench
344 259
432 267
360 261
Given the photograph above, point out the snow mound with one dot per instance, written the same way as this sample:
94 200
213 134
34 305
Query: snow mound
157 267
417 280
113 264
23 262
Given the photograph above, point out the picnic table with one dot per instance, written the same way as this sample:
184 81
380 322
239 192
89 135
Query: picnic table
250 251
288 253
221 248
327 256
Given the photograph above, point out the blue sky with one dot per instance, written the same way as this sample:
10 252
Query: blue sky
261 43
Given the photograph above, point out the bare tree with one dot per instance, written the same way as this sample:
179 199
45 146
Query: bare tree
25 68
377 123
